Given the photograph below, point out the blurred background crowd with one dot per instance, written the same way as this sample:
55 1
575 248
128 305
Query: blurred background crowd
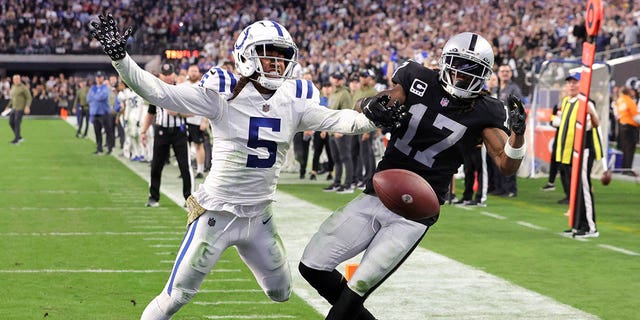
333 36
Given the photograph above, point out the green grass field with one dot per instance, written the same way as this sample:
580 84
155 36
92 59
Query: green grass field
76 242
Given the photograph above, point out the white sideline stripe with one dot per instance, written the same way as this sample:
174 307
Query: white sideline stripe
530 225
462 206
154 227
102 271
142 221
253 316
55 192
167 261
217 303
453 290
89 234
625 251
161 239
155 216
75 209
163 246
164 253
82 271
492 215
229 290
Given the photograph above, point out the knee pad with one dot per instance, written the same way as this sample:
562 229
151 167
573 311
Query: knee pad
178 298
279 295
278 285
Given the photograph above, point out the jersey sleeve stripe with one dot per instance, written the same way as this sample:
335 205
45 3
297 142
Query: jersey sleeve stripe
309 89
203 79
233 81
298 88
221 85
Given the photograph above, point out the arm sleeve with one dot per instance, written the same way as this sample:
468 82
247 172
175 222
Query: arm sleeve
319 118
183 99
102 93
75 101
29 97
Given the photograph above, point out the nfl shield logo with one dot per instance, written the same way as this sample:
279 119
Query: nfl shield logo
444 102
265 108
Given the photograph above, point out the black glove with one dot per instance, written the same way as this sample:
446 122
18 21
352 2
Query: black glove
106 31
375 109
517 116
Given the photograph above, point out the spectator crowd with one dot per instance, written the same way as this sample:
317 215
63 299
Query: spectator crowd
333 36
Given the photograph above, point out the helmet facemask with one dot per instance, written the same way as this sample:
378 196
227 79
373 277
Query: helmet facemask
274 78
466 77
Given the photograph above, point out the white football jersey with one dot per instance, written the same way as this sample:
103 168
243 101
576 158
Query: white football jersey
193 120
251 133
134 105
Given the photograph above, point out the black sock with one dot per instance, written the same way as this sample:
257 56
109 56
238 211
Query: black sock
331 285
348 307
328 283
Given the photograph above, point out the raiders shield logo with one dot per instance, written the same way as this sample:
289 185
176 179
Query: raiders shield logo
265 108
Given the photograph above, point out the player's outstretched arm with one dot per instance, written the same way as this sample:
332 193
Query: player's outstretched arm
386 109
508 151
186 99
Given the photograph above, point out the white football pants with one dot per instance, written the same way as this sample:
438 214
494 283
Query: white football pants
364 224
257 242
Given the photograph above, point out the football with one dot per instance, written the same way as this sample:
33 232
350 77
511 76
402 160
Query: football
406 193
606 178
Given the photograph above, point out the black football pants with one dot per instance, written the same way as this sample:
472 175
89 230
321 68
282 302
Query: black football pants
164 140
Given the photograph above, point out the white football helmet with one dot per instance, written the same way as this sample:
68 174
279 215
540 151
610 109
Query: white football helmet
466 64
252 45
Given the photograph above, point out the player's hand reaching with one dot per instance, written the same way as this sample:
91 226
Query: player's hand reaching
517 115
376 108
106 31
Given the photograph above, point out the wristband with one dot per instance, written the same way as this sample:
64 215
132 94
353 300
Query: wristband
513 153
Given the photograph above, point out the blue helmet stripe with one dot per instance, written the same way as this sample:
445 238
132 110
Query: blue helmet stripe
309 89
275 24
298 88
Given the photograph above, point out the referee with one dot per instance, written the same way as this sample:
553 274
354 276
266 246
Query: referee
169 131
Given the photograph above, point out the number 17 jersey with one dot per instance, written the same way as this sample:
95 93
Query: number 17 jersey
440 128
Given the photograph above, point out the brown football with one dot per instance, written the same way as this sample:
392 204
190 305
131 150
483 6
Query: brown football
606 178
406 193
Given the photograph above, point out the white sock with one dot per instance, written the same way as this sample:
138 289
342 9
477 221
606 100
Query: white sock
200 167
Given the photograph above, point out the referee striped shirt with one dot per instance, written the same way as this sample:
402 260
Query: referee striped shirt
164 119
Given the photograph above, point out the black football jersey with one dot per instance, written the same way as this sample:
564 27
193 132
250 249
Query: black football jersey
440 128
